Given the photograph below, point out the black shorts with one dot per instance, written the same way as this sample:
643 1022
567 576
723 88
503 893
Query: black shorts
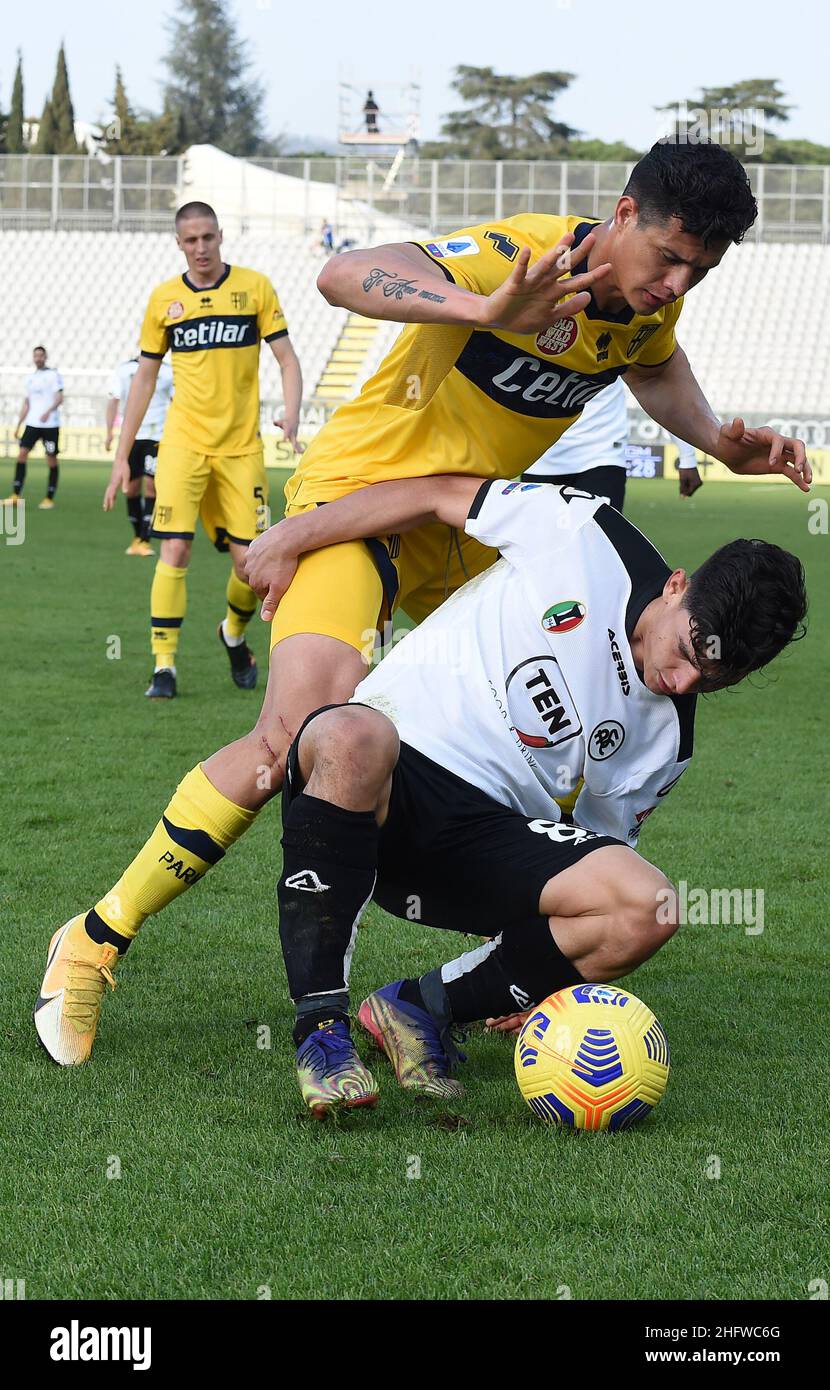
32 434
142 459
451 857
606 480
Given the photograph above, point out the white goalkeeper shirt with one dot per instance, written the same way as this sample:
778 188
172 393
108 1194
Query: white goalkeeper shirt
156 413
523 683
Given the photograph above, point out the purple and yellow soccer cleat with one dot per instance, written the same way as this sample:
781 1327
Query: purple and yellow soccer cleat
330 1072
422 1053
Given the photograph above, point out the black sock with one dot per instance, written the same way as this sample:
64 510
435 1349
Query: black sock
328 876
148 504
52 486
19 478
517 970
135 512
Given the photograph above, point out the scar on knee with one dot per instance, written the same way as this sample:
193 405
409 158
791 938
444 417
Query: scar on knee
272 755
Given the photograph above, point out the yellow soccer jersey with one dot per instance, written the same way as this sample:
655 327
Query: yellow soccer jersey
479 401
213 335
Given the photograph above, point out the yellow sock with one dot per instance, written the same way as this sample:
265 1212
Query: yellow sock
168 605
242 603
197 827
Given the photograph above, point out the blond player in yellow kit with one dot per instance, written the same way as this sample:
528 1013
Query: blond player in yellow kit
512 327
210 462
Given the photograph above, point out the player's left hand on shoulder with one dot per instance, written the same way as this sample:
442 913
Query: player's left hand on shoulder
763 450
690 481
289 429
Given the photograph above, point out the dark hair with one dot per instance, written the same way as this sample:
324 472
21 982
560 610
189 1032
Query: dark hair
195 210
746 603
701 183
39 348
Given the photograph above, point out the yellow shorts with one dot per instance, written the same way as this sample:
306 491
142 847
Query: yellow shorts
349 591
229 493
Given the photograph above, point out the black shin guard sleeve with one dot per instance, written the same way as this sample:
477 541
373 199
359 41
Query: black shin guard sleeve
135 511
516 971
328 876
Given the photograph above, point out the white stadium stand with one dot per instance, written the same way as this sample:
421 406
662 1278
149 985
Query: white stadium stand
83 294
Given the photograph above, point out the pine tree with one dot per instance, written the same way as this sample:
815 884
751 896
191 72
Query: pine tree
15 143
62 111
211 96
126 134
47 135
507 117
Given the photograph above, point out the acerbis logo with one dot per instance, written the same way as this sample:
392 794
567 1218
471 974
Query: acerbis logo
307 881
616 656
564 616
606 739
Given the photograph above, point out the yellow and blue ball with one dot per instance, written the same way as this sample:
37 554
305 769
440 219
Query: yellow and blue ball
592 1057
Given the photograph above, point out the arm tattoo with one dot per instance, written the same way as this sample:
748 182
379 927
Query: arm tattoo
396 287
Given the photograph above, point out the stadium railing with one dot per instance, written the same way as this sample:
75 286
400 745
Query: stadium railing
63 192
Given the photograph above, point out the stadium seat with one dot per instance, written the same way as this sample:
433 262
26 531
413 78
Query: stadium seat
84 294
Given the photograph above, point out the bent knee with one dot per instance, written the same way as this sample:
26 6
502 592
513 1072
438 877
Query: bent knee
363 736
650 913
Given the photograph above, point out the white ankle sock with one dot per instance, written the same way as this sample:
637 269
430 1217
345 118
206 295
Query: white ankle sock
231 641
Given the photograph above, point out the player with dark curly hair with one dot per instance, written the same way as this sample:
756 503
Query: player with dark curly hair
511 328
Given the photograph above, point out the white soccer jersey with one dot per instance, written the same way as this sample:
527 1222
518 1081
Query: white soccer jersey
523 683
598 437
42 386
153 422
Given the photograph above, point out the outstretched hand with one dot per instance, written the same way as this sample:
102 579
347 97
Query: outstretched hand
762 450
531 299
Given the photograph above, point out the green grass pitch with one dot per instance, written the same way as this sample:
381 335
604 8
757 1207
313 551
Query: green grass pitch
227 1189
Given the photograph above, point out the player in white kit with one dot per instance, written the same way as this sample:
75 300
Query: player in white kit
571 666
592 452
142 455
39 421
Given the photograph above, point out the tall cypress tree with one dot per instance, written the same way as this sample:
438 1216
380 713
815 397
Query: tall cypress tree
14 131
47 135
125 135
62 111
211 94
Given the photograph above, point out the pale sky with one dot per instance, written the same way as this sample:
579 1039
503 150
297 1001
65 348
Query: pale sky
628 55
